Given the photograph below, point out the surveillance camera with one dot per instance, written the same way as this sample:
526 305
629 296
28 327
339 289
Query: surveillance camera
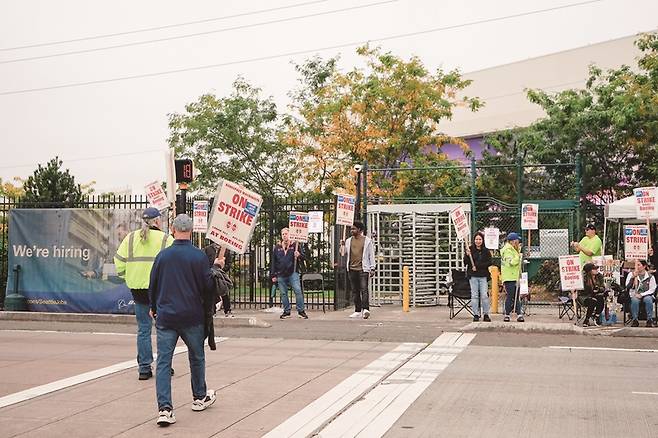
358 167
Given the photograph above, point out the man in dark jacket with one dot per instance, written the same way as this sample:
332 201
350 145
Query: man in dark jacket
180 283
284 271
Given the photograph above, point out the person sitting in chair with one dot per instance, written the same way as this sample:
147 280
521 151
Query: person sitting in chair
593 295
641 285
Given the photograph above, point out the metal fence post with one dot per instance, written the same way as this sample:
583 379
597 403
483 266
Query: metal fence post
579 188
365 194
519 188
473 212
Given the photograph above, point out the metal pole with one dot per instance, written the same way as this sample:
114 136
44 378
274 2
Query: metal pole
579 189
519 188
365 194
473 212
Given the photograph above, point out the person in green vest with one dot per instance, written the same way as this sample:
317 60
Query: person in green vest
510 273
589 246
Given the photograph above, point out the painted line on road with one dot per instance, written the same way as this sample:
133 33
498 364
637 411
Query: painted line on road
57 385
373 415
323 409
631 350
644 393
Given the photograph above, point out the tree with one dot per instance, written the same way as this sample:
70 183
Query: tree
50 186
388 114
10 190
235 138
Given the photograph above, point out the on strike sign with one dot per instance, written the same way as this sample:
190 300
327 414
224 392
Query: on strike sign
646 205
460 221
345 210
233 217
156 196
298 226
492 238
570 276
200 216
636 242
529 216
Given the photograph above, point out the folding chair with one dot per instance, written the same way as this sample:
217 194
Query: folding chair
459 293
311 277
565 308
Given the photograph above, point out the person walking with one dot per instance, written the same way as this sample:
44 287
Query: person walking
181 286
510 273
360 267
133 261
287 257
477 261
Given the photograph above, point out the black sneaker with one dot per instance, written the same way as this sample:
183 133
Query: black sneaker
506 319
635 323
486 318
649 323
476 318
146 375
586 323
285 315
172 371
520 318
302 315
595 320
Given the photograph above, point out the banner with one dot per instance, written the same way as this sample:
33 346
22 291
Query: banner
298 226
636 242
200 216
492 238
233 216
315 222
646 202
460 221
345 210
529 216
570 276
156 196
523 285
67 258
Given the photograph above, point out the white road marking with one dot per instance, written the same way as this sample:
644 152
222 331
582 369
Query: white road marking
342 395
631 350
373 415
57 385
645 393
68 333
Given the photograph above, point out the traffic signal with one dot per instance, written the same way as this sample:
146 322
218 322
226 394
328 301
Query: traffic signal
184 171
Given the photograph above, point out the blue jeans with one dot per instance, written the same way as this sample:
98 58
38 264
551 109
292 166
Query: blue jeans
479 292
648 304
167 338
293 282
144 347
510 294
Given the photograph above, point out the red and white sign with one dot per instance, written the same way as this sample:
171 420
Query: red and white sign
636 242
298 226
571 278
460 221
492 238
200 216
646 202
529 216
156 196
233 216
345 210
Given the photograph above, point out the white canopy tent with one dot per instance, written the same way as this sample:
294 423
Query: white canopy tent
622 211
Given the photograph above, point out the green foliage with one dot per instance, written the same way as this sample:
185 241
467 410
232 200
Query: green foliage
51 187
234 138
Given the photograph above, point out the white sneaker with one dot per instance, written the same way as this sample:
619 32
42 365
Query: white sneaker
355 315
202 404
366 314
165 418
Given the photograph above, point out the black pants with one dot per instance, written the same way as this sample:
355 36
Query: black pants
594 305
359 286
226 302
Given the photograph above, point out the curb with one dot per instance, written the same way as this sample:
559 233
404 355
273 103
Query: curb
525 327
116 319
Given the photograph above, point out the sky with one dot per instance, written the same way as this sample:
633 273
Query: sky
104 111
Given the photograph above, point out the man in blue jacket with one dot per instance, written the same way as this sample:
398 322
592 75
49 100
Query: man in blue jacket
284 271
180 282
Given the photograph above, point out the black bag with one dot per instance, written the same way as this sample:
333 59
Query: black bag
623 297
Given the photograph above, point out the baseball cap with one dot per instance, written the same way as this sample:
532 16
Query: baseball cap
182 223
150 213
589 267
513 236
590 227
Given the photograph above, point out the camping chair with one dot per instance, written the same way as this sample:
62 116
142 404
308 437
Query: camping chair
311 277
459 293
565 308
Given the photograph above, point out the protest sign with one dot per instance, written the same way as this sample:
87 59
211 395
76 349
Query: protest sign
523 285
156 196
529 216
233 217
646 202
492 238
460 221
570 276
298 226
315 222
200 216
636 242
345 210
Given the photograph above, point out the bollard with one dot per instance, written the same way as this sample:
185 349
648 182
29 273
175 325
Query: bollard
495 284
405 288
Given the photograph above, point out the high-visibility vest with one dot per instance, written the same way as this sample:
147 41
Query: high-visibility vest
134 258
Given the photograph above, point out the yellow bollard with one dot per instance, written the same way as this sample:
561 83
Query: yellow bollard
495 284
405 288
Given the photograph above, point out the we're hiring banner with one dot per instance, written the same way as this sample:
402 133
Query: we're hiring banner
66 258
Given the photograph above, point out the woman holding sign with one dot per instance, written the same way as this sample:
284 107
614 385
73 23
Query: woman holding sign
593 295
477 261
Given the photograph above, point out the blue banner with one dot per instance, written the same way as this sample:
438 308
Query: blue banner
66 258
